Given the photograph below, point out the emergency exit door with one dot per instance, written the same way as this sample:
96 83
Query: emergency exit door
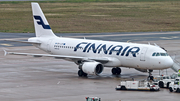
143 54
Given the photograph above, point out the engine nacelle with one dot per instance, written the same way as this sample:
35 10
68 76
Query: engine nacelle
94 68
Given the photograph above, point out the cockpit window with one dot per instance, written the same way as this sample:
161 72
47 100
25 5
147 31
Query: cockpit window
167 54
154 54
157 54
163 54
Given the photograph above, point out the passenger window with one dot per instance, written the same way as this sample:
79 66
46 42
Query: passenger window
157 54
154 54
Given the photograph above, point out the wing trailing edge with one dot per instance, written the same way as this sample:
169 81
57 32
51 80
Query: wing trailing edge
71 58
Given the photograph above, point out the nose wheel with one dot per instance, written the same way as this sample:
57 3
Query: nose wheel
150 77
116 71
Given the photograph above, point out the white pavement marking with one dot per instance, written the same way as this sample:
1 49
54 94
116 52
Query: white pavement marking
169 37
58 83
6 45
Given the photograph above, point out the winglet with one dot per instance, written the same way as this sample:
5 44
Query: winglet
5 52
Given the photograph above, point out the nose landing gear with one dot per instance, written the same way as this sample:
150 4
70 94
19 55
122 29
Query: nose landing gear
150 77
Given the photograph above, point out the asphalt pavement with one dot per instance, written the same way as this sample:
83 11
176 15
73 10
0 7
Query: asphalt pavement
119 37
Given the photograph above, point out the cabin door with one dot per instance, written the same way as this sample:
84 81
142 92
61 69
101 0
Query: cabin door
49 45
143 54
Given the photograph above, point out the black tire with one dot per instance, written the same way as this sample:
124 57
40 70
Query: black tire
118 71
151 78
123 88
168 84
114 71
85 74
170 89
161 84
177 90
80 73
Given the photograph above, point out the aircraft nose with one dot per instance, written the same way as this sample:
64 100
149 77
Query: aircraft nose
169 62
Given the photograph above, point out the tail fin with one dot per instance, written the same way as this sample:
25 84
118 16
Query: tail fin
42 28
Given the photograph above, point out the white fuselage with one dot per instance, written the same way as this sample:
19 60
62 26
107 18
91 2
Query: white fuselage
120 54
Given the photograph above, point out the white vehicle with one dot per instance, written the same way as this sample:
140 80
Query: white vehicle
138 85
174 76
93 55
157 78
165 80
175 86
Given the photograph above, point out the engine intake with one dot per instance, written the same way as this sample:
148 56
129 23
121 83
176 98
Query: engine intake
93 68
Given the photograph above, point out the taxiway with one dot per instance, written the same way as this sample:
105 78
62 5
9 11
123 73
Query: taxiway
25 78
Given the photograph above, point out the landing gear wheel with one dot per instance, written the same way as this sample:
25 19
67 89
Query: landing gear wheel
113 71
85 74
116 71
150 78
81 73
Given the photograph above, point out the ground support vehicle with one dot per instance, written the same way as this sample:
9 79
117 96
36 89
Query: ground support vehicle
165 80
93 99
138 85
175 86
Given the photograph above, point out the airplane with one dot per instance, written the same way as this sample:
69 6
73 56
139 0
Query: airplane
92 56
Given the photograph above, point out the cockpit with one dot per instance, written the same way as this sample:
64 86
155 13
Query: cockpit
159 54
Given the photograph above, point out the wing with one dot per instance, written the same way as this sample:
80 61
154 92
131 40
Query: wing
23 41
70 58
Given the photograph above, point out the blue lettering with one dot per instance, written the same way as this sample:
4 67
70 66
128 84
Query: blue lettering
118 51
124 51
133 52
93 47
78 45
86 47
104 49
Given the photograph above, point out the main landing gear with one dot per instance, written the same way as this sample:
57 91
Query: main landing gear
81 73
116 71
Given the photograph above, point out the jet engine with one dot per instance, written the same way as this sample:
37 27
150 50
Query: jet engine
94 68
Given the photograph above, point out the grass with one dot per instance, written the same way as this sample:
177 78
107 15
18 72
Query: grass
90 16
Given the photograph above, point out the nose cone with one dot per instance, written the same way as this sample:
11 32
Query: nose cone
168 62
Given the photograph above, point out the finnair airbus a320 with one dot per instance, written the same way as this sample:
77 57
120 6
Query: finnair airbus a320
93 55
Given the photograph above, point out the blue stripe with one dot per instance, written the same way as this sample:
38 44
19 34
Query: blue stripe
41 22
